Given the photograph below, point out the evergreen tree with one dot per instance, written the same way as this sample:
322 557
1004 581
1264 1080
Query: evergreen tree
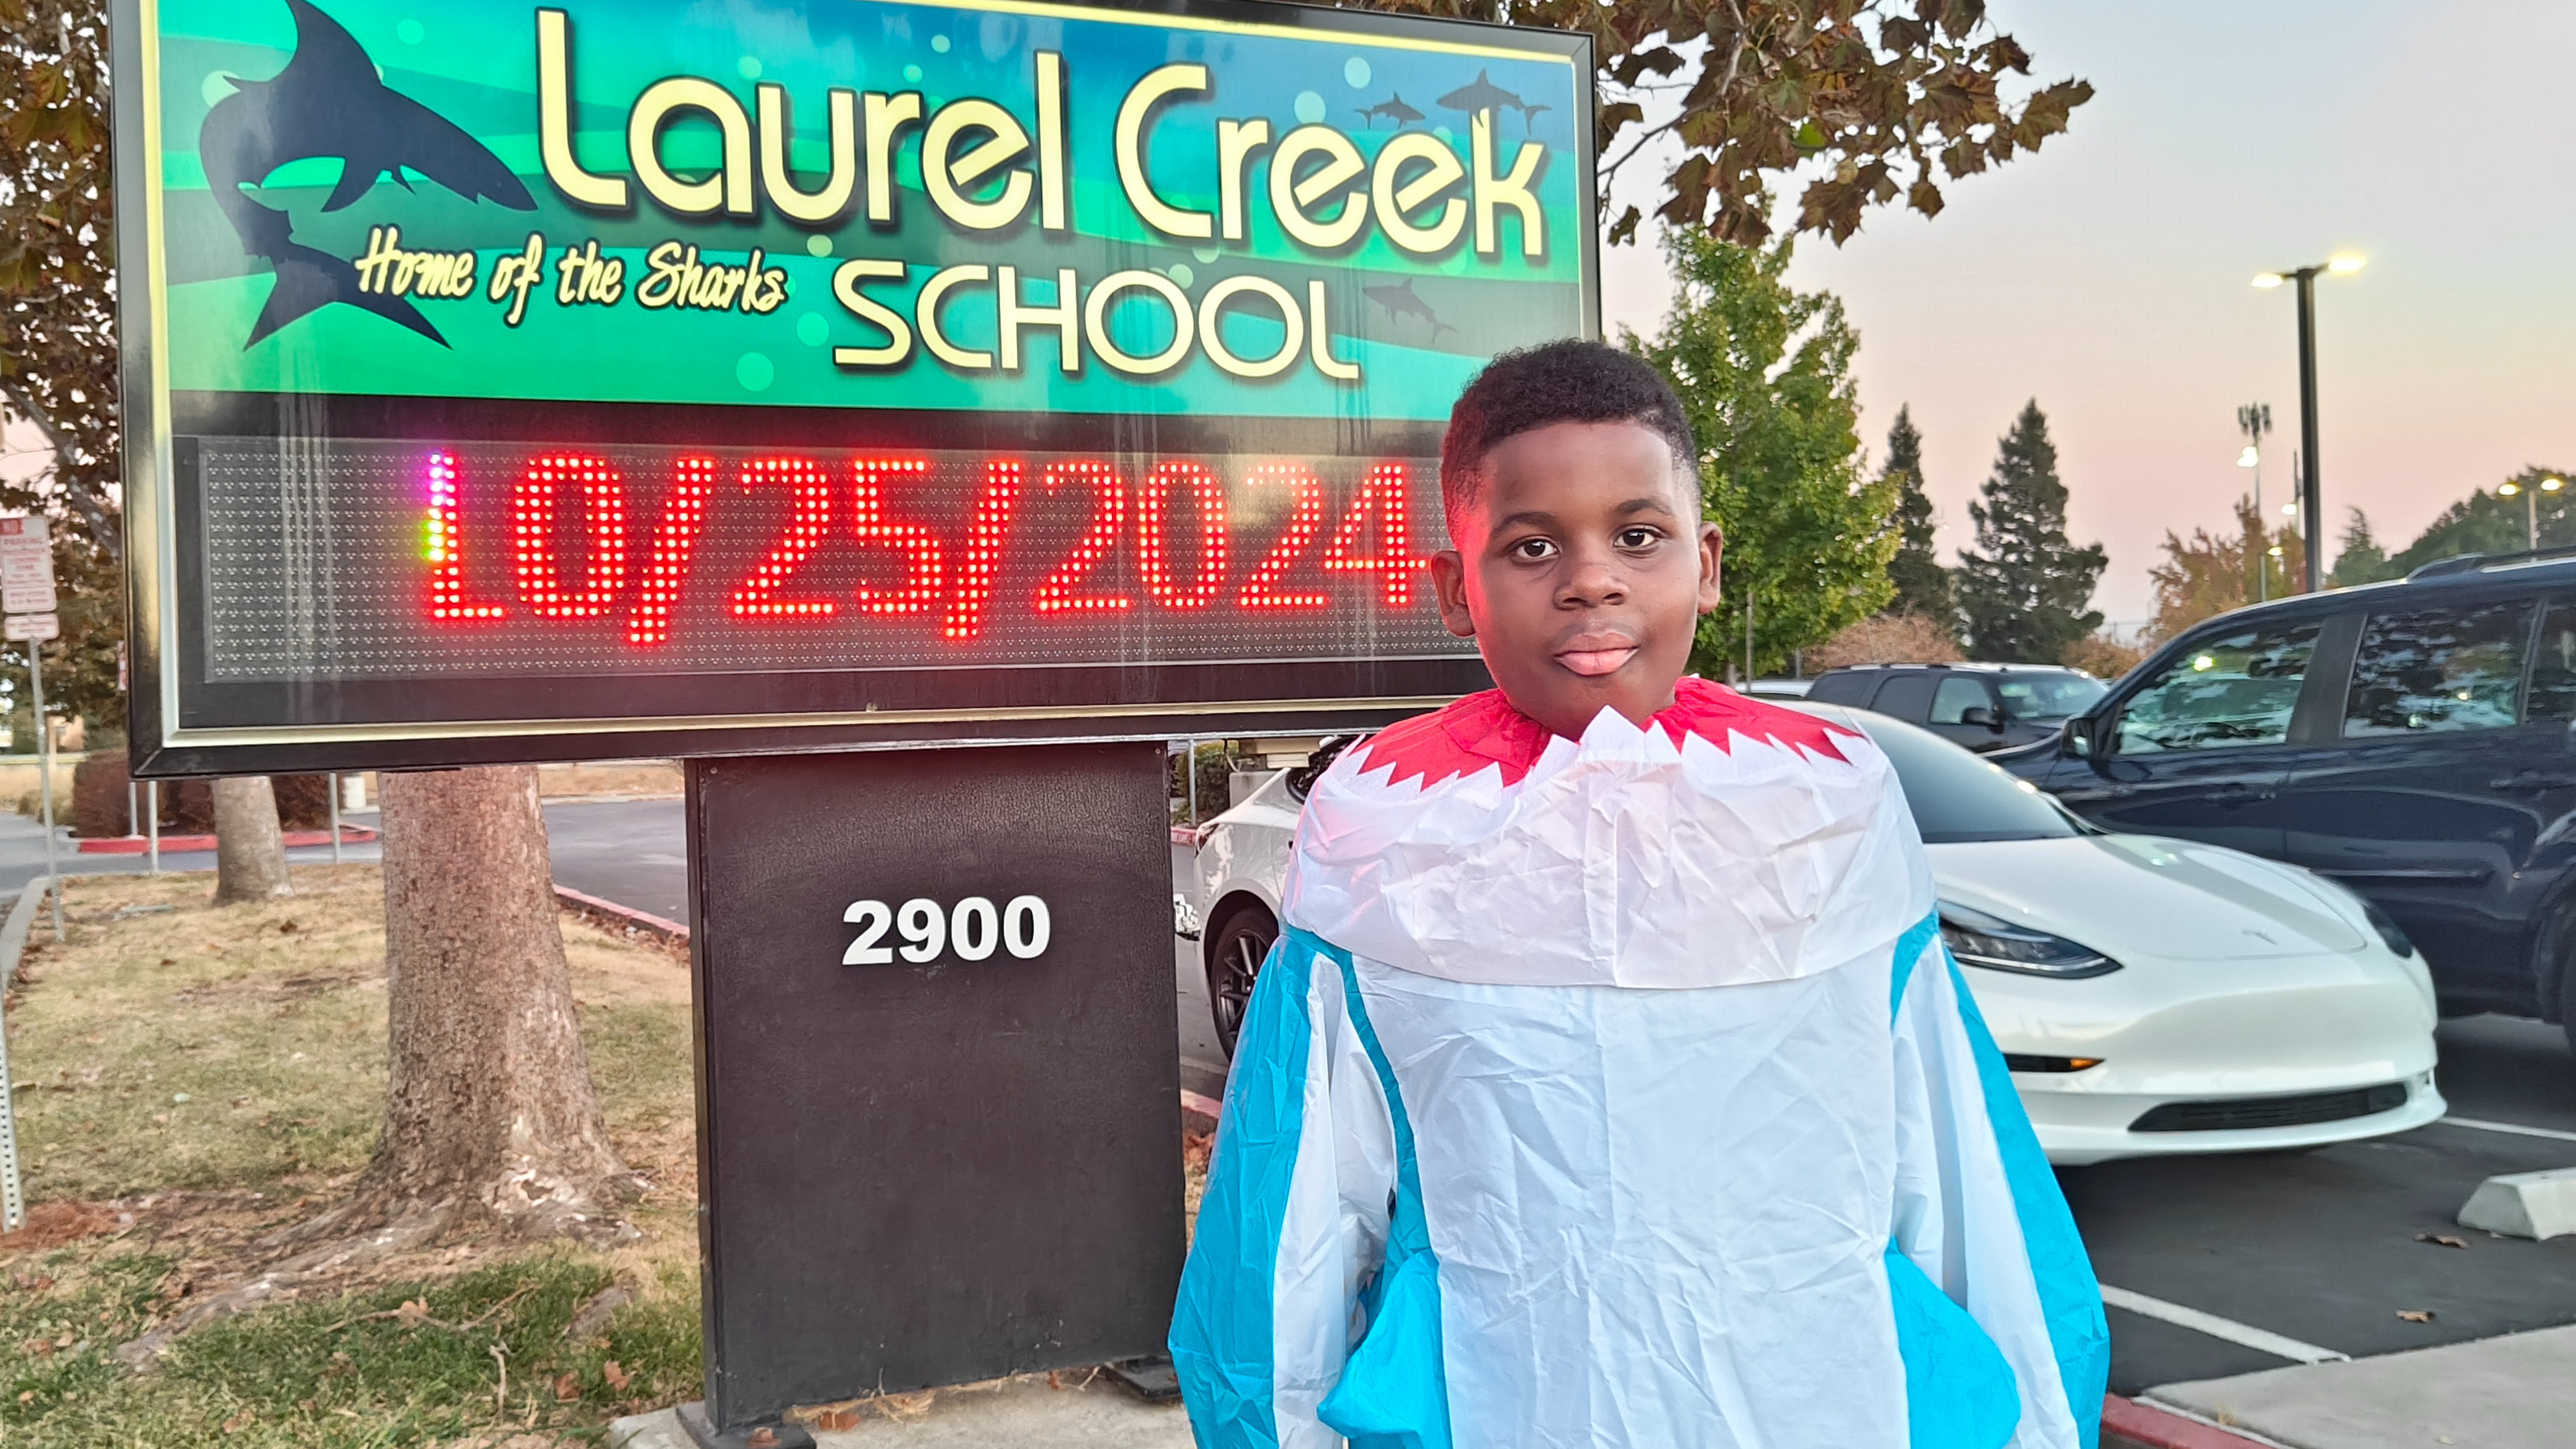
2362 560
2023 589
1922 585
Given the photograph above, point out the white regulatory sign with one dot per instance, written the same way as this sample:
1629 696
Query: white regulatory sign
26 569
22 627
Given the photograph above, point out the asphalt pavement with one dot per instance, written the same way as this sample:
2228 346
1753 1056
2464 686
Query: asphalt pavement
633 852
22 854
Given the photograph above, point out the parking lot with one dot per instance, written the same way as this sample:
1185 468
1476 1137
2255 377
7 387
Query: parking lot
2310 1254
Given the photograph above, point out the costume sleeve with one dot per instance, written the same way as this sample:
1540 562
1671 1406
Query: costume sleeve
1295 1217
1997 1311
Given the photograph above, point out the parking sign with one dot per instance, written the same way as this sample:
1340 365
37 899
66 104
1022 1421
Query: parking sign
26 568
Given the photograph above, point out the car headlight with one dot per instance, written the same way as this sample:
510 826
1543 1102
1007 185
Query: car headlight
1978 939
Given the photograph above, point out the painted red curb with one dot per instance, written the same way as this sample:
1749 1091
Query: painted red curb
139 845
1198 1106
614 914
2158 1429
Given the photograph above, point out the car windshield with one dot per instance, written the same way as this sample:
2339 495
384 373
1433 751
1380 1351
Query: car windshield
1957 797
2049 696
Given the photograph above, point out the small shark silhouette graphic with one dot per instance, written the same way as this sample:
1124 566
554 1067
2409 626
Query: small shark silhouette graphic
1393 108
1483 95
329 102
1401 301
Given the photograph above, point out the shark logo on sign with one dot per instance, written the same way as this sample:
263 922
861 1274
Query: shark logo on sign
330 103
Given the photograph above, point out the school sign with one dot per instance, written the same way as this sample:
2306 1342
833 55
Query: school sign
517 381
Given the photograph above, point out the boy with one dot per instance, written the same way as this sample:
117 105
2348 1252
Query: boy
1609 1085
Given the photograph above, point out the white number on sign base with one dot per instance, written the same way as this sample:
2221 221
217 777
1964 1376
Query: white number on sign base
972 931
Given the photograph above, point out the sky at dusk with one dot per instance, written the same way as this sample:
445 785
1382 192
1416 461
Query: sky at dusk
2108 274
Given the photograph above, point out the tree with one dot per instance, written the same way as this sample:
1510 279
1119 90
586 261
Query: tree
58 337
1765 374
1886 639
2205 576
1922 584
2361 560
2104 655
2023 589
58 257
1870 98
490 1117
250 850
2494 523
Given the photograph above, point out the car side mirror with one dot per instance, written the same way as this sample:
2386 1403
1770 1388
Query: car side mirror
2081 738
1978 714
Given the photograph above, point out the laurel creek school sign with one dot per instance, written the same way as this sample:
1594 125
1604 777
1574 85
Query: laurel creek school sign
519 373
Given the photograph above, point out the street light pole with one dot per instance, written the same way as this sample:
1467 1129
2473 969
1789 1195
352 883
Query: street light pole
2531 506
2311 488
2254 420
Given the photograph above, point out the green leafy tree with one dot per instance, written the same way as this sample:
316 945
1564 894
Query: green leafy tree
2361 560
1765 373
57 256
2493 523
1871 99
58 340
1922 584
2024 590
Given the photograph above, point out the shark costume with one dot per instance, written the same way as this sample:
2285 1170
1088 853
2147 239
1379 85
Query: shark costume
1620 1093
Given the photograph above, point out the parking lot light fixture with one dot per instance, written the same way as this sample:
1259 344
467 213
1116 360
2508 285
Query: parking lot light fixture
2311 490
2530 505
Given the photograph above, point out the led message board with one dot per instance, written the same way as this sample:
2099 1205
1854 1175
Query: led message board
520 381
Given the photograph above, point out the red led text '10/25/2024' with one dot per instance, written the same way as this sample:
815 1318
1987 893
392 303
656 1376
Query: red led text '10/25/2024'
573 543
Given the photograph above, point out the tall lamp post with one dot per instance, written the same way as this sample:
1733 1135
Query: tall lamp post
2254 420
2311 491
2531 506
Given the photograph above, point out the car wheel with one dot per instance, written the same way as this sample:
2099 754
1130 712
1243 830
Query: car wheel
1233 965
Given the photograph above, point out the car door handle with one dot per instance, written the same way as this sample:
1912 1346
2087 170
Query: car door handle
2238 794
2532 780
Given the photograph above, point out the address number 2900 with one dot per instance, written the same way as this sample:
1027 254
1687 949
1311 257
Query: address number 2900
973 930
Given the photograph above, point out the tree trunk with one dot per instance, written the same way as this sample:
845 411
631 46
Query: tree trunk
250 851
489 1111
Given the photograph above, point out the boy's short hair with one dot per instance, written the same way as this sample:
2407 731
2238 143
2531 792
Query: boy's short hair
1566 381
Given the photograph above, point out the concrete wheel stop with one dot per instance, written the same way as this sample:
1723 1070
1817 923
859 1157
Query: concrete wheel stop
2524 1204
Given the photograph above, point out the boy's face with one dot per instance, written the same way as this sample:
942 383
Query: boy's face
1586 573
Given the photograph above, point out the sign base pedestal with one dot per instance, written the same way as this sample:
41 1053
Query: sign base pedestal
703 1433
939 1121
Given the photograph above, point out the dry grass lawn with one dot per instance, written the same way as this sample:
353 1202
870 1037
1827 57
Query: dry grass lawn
188 1077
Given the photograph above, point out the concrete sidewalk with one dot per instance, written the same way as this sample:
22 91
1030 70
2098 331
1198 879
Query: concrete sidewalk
1014 1413
2517 1391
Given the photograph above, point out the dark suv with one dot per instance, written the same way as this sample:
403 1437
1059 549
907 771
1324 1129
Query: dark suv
1982 706
2409 739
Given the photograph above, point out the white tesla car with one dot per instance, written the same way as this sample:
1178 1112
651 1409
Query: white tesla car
2150 996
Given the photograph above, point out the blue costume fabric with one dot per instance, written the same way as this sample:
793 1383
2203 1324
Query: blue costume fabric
1619 1092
